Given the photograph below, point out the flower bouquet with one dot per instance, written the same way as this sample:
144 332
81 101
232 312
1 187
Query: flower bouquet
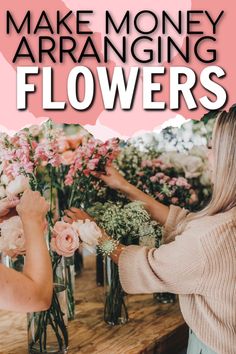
129 224
92 156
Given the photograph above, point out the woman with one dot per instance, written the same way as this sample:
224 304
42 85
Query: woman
198 259
31 290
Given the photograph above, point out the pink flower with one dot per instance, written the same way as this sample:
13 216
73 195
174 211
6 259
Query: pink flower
172 182
92 164
146 163
60 226
90 155
68 157
64 240
160 196
160 175
12 240
182 182
153 179
86 172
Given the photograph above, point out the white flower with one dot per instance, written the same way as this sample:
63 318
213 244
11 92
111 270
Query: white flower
35 130
18 185
5 180
174 158
193 166
200 151
89 233
2 192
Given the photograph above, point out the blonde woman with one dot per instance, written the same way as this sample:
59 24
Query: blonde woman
31 290
198 259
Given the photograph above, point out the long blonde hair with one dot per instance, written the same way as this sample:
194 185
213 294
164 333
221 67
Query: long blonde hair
224 166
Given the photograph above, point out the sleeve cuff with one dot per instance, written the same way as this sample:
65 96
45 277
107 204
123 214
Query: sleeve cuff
175 215
130 264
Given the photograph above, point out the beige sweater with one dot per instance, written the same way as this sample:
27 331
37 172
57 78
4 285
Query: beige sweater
199 264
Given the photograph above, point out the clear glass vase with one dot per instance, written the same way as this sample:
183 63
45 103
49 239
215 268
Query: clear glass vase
115 307
70 287
16 263
47 330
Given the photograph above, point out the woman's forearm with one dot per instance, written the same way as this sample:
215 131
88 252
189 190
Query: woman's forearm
31 290
157 210
38 263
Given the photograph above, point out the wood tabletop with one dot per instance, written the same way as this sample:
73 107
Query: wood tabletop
152 328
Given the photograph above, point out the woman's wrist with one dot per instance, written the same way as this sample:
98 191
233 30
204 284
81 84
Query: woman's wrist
128 189
34 226
115 255
110 247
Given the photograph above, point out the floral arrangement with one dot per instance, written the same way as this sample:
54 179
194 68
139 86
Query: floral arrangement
36 159
181 178
128 224
77 185
63 166
66 238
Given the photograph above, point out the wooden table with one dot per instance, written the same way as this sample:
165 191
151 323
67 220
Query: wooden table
153 328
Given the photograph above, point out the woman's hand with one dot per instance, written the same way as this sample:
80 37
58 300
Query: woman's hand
32 208
7 207
113 178
75 214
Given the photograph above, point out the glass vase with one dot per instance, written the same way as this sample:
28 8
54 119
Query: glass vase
17 263
70 287
47 330
115 308
165 298
78 262
99 269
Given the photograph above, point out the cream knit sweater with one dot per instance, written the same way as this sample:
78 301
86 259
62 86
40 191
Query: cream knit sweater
199 264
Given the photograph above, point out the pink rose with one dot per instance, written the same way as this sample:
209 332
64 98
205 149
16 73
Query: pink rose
12 240
68 157
64 240
60 226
